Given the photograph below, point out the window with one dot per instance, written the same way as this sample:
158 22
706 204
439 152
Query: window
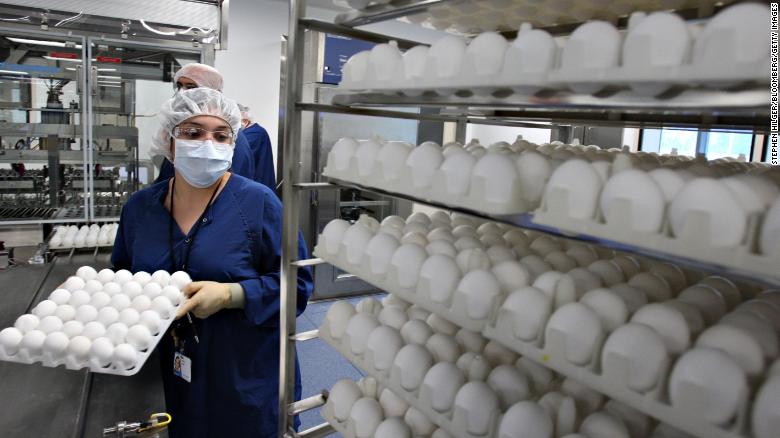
713 144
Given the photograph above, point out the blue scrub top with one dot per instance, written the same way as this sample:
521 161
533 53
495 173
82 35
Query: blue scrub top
235 367
262 154
243 162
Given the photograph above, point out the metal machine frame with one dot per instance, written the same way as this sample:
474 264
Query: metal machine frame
706 110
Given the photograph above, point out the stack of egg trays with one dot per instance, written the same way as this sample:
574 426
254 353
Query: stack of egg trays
550 352
477 199
692 245
453 422
70 363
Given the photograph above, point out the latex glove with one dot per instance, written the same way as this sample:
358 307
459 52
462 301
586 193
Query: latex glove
205 298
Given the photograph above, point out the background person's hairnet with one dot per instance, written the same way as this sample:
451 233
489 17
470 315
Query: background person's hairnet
245 113
187 104
203 75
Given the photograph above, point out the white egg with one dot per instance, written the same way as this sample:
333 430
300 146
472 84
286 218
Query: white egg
50 324
173 294
343 396
132 289
91 240
162 306
93 286
55 344
100 300
120 302
94 330
26 323
180 279
86 313
65 312
163 278
117 333
125 356
151 320
152 290
60 296
102 350
107 316
105 275
129 317
74 284
122 276
72 328
141 303
139 336
112 288
79 298
32 341
10 338
45 308
142 278
79 347
366 414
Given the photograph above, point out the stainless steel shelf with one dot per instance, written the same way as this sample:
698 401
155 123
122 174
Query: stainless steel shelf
390 11
748 108
526 221
65 157
470 17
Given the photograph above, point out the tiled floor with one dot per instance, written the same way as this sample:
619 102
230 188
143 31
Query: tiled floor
321 366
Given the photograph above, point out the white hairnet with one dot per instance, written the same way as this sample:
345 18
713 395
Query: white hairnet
245 114
203 75
187 104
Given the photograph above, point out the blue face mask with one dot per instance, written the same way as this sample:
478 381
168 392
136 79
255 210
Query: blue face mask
201 162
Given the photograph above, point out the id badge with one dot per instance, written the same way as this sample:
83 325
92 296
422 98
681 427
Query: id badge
182 366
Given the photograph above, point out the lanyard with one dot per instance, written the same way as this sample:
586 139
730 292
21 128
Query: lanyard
188 240
179 342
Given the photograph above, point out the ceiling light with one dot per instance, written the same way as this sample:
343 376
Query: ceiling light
52 58
14 72
106 69
109 77
43 42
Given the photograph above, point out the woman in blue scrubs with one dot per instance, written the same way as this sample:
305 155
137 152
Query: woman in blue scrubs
220 371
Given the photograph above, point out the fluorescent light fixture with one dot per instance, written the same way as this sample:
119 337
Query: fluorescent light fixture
42 42
106 69
13 72
109 77
70 68
110 86
109 82
51 58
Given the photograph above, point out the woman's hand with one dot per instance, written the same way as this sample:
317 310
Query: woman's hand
205 298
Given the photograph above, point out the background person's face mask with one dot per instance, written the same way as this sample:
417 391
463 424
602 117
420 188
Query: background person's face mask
202 162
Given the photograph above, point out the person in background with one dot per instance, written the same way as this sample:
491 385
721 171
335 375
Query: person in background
220 371
197 75
260 143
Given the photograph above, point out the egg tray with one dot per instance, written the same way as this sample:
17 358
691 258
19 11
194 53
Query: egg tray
70 363
693 247
551 353
602 82
453 422
478 197
457 311
553 356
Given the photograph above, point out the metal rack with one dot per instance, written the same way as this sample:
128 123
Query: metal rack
746 109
